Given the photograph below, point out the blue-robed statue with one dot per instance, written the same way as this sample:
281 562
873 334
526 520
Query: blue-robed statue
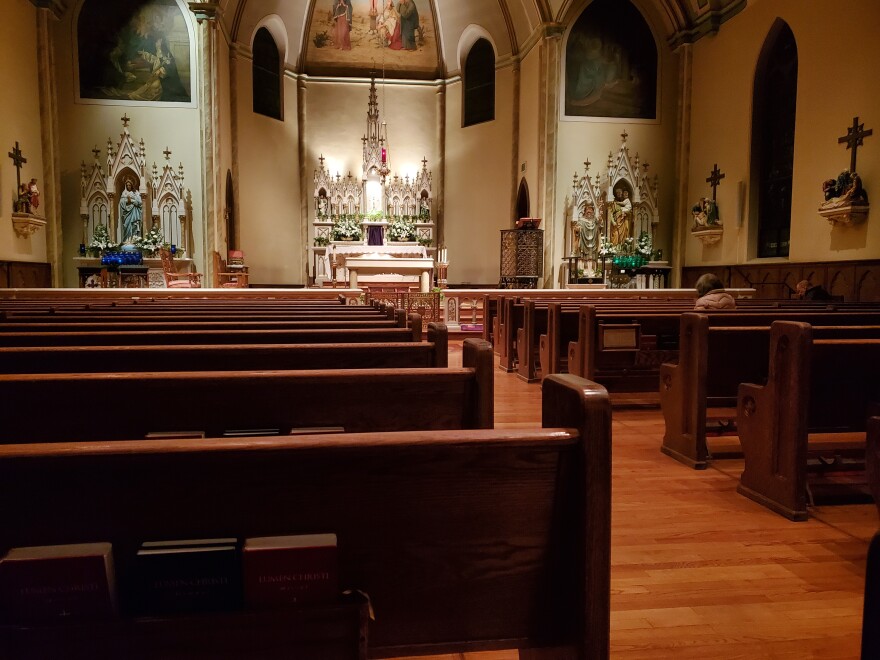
131 211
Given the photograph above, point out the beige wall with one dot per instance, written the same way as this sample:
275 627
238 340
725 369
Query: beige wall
479 161
19 121
834 85
82 126
269 216
529 101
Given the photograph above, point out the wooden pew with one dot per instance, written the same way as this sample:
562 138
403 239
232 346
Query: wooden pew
817 390
124 406
871 611
872 458
230 357
170 337
713 360
463 540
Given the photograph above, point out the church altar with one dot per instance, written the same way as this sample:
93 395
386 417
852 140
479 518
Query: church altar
393 259
384 265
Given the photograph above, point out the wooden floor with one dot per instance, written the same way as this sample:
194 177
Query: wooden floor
699 571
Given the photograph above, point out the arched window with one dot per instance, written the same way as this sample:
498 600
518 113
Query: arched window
773 115
267 76
522 200
479 84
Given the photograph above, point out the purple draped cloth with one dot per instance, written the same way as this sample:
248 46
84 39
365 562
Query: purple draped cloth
374 236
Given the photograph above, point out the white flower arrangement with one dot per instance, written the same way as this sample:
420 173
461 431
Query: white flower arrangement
402 229
151 241
346 228
645 245
101 240
606 248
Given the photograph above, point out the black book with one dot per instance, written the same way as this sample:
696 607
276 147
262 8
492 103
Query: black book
172 577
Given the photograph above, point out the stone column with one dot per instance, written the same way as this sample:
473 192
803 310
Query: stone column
47 13
208 18
681 221
439 186
548 122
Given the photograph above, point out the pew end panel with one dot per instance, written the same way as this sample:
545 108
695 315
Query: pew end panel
573 401
872 459
772 424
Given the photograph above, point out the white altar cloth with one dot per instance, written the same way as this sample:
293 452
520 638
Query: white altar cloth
340 253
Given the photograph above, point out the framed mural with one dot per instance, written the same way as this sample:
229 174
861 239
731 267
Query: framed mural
611 63
356 37
135 52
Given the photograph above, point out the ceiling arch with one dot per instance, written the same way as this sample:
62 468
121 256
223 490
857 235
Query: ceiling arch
512 23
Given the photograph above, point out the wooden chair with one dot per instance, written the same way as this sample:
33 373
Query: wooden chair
230 274
175 280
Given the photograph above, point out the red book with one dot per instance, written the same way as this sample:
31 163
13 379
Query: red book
57 583
282 571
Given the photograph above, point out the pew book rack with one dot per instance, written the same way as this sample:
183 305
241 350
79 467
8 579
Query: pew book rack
328 632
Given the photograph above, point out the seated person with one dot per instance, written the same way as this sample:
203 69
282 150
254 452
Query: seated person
712 294
804 291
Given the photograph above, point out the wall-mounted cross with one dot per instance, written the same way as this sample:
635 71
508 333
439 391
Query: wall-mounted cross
125 120
714 179
854 138
19 160
167 153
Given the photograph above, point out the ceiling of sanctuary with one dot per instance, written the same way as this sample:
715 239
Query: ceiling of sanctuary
447 28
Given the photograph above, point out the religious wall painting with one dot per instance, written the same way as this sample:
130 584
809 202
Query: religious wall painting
611 63
357 37
136 52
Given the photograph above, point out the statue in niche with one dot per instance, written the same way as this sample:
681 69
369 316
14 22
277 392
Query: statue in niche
586 234
130 211
620 216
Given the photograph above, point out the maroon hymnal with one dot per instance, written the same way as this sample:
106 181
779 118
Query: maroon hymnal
290 570
50 583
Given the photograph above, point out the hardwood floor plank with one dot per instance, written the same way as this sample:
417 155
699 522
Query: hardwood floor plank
699 571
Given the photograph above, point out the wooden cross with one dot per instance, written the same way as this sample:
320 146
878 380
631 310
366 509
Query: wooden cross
125 120
96 151
19 160
714 180
167 153
854 138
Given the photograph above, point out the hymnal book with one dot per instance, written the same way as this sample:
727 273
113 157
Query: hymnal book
197 575
57 583
242 433
174 435
282 571
316 430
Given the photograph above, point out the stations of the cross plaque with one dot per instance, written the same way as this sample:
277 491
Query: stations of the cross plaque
854 138
715 179
18 159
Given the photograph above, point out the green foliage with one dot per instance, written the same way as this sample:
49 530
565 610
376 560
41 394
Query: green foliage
322 39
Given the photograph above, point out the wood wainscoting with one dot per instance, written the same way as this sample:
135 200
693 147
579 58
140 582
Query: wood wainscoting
854 280
25 275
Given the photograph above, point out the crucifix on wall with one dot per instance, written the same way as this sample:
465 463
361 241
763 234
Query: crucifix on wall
715 179
855 138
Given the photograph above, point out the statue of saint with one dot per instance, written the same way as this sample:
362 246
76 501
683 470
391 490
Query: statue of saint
586 234
130 212
620 216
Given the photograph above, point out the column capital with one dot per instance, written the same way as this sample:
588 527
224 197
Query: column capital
55 7
206 11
